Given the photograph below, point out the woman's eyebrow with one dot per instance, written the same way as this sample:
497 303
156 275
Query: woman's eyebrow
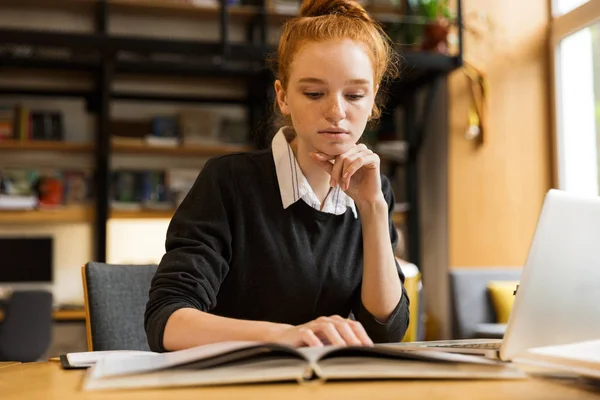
358 82
311 80
321 81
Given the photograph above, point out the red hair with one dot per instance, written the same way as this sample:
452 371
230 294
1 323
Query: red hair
321 20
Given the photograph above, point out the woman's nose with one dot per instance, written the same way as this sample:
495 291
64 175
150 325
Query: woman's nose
335 110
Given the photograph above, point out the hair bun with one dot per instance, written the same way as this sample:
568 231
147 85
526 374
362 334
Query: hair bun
346 8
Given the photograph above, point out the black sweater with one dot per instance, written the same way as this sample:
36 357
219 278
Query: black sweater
234 251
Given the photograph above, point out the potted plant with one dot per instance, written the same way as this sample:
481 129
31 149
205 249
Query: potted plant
437 16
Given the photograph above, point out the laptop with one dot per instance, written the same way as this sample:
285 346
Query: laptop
557 298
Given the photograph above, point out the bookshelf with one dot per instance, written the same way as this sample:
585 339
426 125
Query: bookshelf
50 146
141 214
67 214
195 150
98 54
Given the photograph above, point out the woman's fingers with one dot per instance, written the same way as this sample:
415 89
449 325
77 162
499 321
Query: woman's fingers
340 332
322 160
344 328
330 332
364 160
342 161
345 165
310 338
360 332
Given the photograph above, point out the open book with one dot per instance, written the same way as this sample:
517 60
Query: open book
578 359
253 362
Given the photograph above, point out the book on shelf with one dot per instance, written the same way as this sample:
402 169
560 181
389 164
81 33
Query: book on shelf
27 188
24 124
253 362
17 189
7 123
140 189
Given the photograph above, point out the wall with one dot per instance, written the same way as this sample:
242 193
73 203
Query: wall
496 190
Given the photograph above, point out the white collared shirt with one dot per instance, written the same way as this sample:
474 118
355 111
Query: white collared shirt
294 186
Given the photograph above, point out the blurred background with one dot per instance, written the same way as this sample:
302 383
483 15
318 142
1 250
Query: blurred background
110 108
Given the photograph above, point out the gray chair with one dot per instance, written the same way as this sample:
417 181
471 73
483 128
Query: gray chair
473 312
115 301
26 329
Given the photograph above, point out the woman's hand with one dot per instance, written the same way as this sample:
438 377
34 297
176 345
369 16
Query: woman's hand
355 171
333 330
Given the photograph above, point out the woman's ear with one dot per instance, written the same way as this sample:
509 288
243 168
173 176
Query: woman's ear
281 98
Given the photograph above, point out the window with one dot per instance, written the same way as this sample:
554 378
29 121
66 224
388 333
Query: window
576 48
564 6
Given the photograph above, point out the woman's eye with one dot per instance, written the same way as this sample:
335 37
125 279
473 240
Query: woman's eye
313 95
355 96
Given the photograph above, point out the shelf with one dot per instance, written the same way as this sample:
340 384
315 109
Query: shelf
205 150
162 8
63 315
142 214
69 214
69 315
399 218
63 147
400 213
70 5
188 57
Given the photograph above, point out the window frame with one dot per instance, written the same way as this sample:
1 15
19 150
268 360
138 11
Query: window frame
562 26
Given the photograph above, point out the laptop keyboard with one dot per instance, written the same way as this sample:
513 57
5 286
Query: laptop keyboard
477 345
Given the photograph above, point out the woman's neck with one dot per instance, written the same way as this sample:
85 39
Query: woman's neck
317 178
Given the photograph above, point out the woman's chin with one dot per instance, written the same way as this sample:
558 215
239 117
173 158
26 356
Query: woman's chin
334 149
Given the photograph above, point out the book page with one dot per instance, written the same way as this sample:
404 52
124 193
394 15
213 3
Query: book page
249 371
206 356
316 354
390 368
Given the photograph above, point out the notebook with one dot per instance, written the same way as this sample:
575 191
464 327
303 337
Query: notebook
579 359
253 362
86 359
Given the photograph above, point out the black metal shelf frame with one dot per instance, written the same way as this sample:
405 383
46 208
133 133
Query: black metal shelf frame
105 56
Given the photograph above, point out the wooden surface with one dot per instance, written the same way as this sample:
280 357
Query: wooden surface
47 380
69 315
40 145
62 315
68 214
126 214
4 364
496 190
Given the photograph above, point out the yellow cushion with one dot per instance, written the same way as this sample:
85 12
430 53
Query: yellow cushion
501 293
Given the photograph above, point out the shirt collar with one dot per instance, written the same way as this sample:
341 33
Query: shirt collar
294 186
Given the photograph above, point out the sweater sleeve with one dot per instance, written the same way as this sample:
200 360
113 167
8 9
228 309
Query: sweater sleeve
395 327
198 252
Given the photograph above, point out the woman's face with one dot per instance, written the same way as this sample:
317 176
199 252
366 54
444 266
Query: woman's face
329 95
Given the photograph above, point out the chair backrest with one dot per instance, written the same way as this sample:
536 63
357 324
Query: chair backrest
26 329
470 299
115 302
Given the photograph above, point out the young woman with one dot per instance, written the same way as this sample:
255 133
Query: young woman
283 245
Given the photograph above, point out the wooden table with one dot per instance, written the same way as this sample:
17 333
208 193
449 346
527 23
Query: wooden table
47 380
4 364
